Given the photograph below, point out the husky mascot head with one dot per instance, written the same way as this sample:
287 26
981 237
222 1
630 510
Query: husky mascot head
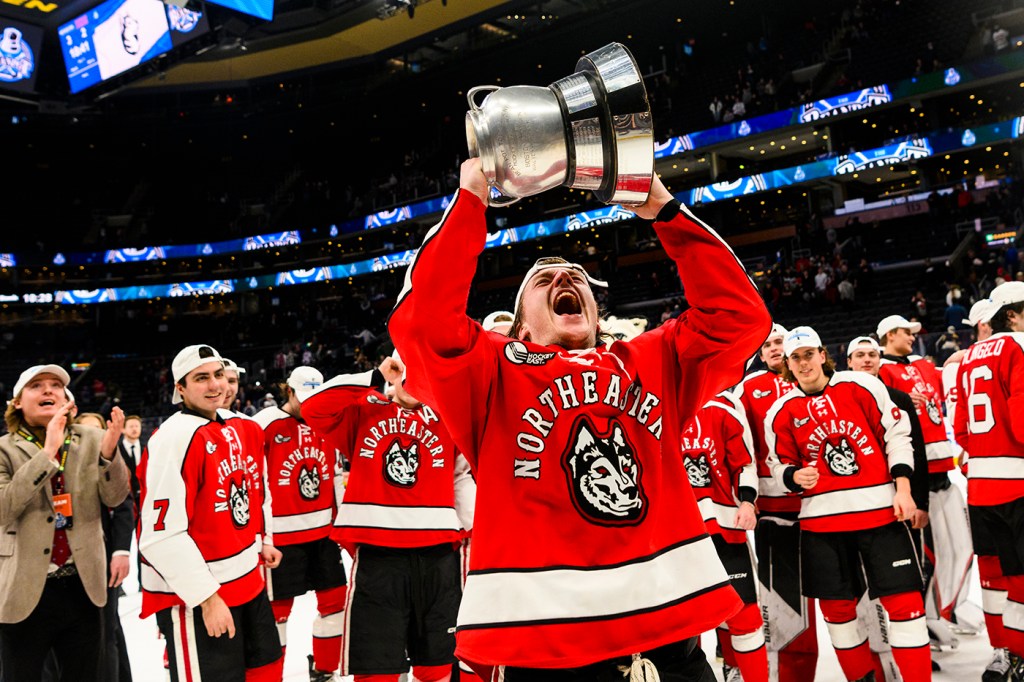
309 483
841 459
698 471
401 464
238 500
604 476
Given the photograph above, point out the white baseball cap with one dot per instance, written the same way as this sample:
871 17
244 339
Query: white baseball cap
852 346
305 381
187 359
1007 294
896 322
800 337
496 318
232 366
777 330
32 372
554 263
982 311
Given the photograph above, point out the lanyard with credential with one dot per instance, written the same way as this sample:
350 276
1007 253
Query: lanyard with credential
63 511
65 448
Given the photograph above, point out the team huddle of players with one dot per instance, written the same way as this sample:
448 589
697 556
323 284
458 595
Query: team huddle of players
590 554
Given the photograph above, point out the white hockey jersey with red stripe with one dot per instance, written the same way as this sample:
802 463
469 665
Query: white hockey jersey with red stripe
588 542
718 456
914 373
853 434
300 478
401 483
201 518
757 393
990 418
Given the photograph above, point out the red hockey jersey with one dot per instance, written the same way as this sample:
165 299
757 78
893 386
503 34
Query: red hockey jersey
854 435
990 418
401 483
300 479
587 542
201 512
758 392
914 373
719 461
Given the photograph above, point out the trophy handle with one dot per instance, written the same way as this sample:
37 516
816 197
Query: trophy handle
471 95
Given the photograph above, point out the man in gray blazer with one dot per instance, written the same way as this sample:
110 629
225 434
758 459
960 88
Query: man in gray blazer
55 480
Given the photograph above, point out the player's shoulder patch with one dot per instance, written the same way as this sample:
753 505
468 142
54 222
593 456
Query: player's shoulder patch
517 353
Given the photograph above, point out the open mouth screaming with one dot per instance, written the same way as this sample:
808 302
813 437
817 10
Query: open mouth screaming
567 303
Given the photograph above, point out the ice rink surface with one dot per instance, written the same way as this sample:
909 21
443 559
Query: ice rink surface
964 664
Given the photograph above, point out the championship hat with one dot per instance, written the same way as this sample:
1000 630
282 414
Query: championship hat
305 381
232 366
852 346
1007 294
187 359
982 311
800 337
32 372
896 322
496 319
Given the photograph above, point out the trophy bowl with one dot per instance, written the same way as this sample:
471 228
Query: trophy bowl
591 130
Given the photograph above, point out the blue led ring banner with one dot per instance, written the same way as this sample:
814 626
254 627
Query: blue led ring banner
899 152
774 121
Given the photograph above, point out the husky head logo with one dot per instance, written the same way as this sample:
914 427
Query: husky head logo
401 464
130 34
933 412
841 458
309 483
698 471
604 476
238 500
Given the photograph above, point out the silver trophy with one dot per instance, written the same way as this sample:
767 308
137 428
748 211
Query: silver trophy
591 130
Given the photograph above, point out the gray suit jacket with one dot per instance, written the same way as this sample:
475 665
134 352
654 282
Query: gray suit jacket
26 517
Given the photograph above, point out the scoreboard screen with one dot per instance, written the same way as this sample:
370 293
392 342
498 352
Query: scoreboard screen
111 38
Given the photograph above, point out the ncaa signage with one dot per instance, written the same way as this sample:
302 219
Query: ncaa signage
883 156
728 190
843 104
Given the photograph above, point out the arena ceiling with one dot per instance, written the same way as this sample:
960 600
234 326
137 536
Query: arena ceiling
312 34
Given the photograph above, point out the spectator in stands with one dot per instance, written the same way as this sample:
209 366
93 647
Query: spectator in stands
947 344
739 109
53 599
956 315
1000 38
919 304
847 293
716 107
